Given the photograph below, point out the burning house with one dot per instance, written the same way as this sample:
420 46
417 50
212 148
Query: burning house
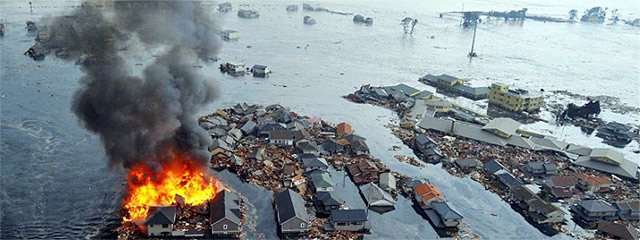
160 144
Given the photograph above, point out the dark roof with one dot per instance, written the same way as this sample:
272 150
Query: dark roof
248 127
562 181
314 162
349 215
225 205
261 67
633 205
328 199
542 206
549 167
467 163
359 145
332 146
353 137
289 205
618 230
445 211
493 166
281 134
596 205
447 78
535 165
161 215
423 140
522 193
471 90
509 180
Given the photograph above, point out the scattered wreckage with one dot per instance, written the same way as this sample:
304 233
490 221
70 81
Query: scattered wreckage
308 20
364 20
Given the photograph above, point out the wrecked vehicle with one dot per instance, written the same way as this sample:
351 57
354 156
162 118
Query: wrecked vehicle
308 20
250 14
1 29
37 52
233 69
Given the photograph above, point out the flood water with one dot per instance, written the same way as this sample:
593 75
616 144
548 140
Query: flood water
55 180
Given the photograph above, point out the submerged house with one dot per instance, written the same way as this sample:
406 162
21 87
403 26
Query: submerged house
539 210
363 172
443 216
628 210
314 163
560 186
321 181
594 184
325 202
260 71
387 182
609 161
353 220
593 210
225 214
292 215
426 194
375 196
160 221
230 35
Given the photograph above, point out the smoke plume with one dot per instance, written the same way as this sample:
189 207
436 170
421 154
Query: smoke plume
141 117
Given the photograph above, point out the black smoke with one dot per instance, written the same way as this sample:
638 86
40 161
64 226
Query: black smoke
141 117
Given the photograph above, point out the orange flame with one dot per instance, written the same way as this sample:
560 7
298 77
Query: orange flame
181 176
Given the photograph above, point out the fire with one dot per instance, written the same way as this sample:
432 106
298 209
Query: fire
181 176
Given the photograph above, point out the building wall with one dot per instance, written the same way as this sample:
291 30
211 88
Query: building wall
349 226
499 96
218 228
554 217
158 230
295 225
451 222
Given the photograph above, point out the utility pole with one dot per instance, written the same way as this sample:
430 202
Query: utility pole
473 43
462 14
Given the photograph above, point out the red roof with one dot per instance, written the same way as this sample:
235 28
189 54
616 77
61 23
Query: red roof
428 192
343 129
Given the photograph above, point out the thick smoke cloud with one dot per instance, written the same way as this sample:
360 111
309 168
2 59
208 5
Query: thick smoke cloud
141 118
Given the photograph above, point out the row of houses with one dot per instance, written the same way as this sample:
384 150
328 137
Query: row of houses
455 85
239 69
499 94
507 132
225 218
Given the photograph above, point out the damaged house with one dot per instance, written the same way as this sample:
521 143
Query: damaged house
292 216
363 172
160 221
225 214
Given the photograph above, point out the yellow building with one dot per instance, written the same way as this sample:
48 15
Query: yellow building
515 100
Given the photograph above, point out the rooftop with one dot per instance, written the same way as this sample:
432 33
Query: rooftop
290 204
505 125
349 215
